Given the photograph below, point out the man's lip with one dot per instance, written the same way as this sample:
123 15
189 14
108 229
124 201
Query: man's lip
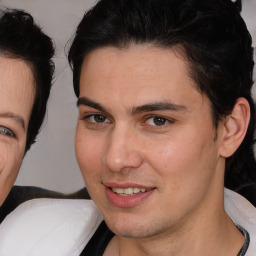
126 185
130 201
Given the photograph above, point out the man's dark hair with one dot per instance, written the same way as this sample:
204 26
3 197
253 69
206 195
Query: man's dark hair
209 34
21 38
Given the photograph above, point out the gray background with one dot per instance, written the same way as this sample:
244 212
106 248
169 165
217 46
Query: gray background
51 162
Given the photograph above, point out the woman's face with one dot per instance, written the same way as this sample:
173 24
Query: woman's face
17 94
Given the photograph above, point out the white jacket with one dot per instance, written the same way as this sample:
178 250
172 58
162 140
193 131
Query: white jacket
49 227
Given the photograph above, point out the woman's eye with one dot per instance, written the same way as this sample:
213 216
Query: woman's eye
6 131
157 121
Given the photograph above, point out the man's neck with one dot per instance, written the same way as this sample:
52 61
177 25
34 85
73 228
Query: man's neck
219 237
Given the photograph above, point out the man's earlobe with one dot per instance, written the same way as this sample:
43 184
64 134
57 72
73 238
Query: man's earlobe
235 127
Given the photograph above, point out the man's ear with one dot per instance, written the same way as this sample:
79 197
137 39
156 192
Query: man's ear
235 127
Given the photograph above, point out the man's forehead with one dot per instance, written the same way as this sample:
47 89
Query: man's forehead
136 60
142 76
134 50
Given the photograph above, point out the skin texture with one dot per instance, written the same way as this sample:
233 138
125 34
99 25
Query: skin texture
16 99
142 123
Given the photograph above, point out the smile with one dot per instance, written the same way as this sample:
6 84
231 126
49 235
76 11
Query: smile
129 195
128 191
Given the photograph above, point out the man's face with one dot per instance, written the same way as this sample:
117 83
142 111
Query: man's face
16 100
145 141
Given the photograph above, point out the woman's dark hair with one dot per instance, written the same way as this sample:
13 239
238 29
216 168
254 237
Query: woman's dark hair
21 38
209 34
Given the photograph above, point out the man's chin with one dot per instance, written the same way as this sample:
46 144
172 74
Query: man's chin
131 229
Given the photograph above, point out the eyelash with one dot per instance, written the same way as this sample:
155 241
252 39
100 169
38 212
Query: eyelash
7 132
165 120
94 123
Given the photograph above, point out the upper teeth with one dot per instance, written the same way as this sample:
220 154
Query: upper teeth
128 191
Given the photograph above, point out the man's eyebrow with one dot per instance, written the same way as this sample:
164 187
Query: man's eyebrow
90 103
13 116
156 106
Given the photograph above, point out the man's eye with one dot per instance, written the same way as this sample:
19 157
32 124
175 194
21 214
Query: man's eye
157 121
6 131
97 118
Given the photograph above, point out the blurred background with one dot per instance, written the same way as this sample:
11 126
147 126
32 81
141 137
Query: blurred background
51 161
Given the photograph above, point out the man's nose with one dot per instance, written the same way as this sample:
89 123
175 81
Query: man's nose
122 151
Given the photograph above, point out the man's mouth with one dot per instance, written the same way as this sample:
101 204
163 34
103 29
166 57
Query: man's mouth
128 191
127 195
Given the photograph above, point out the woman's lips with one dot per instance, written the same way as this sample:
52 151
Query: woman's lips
126 196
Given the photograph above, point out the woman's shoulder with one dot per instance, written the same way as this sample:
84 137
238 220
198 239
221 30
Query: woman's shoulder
21 194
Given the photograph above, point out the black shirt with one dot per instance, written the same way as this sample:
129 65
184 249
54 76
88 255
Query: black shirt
99 241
